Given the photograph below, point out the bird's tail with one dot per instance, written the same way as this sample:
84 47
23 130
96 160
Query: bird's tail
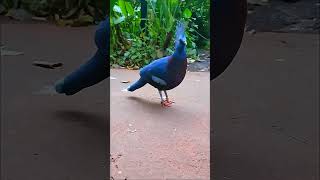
138 84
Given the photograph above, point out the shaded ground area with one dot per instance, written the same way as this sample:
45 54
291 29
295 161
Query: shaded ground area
43 136
279 16
151 142
265 110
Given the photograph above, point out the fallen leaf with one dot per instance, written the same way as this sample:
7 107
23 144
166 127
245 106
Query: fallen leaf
83 20
46 64
191 60
71 13
132 131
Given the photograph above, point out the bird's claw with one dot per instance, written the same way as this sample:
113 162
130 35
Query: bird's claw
170 102
166 103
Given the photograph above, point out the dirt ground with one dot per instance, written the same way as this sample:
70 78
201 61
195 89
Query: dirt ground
44 136
151 142
265 110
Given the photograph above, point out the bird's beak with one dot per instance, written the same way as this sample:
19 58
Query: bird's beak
184 41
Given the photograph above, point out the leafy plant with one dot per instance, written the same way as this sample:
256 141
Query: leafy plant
134 47
64 12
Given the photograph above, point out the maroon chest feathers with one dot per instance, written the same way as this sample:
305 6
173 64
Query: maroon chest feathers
176 71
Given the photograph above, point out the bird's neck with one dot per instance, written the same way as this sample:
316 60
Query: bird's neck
180 53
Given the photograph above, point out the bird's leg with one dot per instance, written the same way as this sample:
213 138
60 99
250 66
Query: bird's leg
163 102
167 98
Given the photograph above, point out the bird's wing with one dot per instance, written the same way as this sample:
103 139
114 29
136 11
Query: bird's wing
159 80
156 71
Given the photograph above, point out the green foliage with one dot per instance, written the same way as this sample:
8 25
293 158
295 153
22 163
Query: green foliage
133 47
64 12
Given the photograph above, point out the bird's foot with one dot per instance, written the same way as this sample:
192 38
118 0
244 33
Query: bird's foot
165 104
170 102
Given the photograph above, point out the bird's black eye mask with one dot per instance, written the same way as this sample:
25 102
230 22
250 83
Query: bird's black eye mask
227 27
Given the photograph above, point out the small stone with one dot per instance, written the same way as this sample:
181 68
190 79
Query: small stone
39 18
280 60
252 32
132 131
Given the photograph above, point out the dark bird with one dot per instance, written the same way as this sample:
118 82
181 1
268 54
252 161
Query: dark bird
227 32
168 72
94 70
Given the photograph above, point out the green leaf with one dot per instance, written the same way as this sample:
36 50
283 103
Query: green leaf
118 20
187 13
122 5
71 13
112 3
129 8
83 21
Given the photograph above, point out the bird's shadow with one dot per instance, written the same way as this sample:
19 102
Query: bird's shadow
97 122
153 106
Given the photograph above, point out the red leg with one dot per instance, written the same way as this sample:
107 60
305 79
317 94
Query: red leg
167 98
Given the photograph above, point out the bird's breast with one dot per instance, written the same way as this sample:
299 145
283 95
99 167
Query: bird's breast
176 73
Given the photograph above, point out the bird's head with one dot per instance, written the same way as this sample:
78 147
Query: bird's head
183 40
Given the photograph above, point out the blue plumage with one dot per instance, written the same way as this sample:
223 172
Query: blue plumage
94 70
168 72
